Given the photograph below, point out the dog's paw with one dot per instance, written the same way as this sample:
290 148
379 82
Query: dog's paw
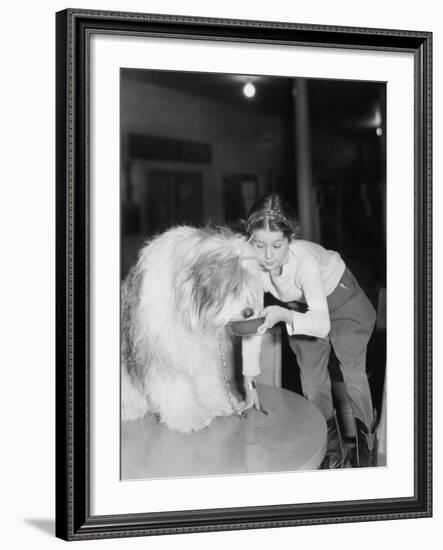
236 405
135 409
202 425
187 425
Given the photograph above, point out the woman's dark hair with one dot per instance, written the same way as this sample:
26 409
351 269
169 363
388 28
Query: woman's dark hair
274 213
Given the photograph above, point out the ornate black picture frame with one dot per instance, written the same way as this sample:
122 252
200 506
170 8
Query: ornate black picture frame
73 516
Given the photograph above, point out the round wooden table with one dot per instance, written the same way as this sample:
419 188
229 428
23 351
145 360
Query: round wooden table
291 437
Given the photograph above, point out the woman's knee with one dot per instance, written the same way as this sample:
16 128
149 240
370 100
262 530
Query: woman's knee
355 375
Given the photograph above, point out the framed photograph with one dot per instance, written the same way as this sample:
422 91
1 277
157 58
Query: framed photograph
243 274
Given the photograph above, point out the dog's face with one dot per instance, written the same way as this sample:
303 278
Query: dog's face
223 282
226 290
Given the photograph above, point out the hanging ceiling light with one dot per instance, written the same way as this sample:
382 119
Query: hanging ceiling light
249 89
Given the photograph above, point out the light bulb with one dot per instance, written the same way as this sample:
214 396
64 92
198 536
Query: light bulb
249 89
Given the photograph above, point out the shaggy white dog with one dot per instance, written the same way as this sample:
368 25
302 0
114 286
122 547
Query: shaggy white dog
177 301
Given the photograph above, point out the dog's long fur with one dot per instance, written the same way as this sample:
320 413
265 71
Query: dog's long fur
177 300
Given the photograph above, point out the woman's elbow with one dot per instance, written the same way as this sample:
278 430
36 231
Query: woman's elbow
325 328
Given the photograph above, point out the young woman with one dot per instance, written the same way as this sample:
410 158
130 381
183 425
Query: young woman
324 306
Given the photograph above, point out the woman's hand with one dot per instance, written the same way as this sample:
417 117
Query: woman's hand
251 395
273 315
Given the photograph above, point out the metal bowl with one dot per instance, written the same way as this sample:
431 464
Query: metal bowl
245 327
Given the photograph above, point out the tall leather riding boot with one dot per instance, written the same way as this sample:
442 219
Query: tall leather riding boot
335 453
365 454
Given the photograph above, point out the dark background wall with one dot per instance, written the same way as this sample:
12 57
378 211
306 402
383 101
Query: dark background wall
196 149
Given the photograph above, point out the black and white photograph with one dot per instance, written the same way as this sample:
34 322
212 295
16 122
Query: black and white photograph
221 275
253 274
243 320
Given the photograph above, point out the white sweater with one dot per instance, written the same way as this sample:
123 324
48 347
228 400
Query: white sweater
309 275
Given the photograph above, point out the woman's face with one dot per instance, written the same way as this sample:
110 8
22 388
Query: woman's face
272 248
